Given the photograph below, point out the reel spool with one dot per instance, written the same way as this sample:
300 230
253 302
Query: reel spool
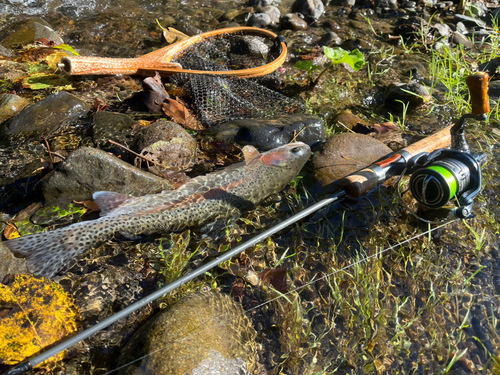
454 173
444 175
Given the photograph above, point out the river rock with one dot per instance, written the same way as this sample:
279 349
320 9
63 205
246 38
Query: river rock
259 20
344 154
309 8
330 38
167 144
88 170
414 94
461 39
201 332
5 52
469 21
267 133
112 126
293 22
11 70
273 13
11 105
48 114
30 30
9 264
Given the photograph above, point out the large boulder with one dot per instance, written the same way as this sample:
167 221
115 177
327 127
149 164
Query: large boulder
344 154
202 331
268 133
88 170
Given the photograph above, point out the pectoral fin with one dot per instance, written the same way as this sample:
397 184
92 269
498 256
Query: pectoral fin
109 201
250 153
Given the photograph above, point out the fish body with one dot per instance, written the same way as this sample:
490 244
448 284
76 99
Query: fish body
200 201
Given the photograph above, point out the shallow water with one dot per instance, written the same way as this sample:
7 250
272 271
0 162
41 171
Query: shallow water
421 307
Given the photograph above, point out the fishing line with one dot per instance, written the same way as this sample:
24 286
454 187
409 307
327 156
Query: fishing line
298 289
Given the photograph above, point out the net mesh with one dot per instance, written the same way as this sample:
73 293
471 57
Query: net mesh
220 98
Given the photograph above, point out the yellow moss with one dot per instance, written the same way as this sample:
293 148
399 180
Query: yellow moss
40 313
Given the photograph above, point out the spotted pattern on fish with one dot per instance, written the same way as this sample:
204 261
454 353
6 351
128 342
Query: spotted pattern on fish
201 201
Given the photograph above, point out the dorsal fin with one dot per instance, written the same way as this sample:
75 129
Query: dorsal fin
250 153
109 200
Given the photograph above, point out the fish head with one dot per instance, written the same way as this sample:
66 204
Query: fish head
291 156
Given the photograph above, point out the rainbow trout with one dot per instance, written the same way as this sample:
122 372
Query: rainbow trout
200 201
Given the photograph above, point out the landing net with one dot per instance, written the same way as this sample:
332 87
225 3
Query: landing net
220 98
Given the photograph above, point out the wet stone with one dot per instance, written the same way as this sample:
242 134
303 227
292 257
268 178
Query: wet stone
230 15
268 133
403 92
167 144
259 20
332 25
10 70
112 126
5 52
9 264
194 332
469 21
330 38
309 8
293 22
461 39
11 105
344 154
48 114
88 170
273 13
29 31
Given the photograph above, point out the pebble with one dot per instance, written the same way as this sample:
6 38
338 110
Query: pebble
11 105
400 92
30 30
112 126
293 22
60 108
229 15
461 39
332 25
469 21
259 20
309 8
199 333
330 38
88 170
268 133
11 70
273 13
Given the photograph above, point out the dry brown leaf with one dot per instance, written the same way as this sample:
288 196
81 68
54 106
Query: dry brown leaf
89 205
11 232
180 114
275 277
172 35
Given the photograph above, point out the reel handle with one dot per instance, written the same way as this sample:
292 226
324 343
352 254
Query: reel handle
478 89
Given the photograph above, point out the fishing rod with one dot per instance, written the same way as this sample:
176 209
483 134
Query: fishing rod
438 174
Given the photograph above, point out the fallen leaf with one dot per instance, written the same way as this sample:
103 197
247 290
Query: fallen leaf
172 35
180 114
100 105
89 205
275 277
11 232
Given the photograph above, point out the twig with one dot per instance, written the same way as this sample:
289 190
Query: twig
352 131
135 153
48 149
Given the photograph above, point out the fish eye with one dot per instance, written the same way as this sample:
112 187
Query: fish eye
296 150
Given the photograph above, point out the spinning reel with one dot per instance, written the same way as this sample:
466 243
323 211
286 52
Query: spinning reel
454 173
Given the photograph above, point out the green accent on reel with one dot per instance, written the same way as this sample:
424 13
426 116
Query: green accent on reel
448 176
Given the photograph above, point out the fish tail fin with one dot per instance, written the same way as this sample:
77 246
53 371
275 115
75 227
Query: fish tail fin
48 252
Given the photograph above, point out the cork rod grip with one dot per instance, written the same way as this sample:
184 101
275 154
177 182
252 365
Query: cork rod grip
361 182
